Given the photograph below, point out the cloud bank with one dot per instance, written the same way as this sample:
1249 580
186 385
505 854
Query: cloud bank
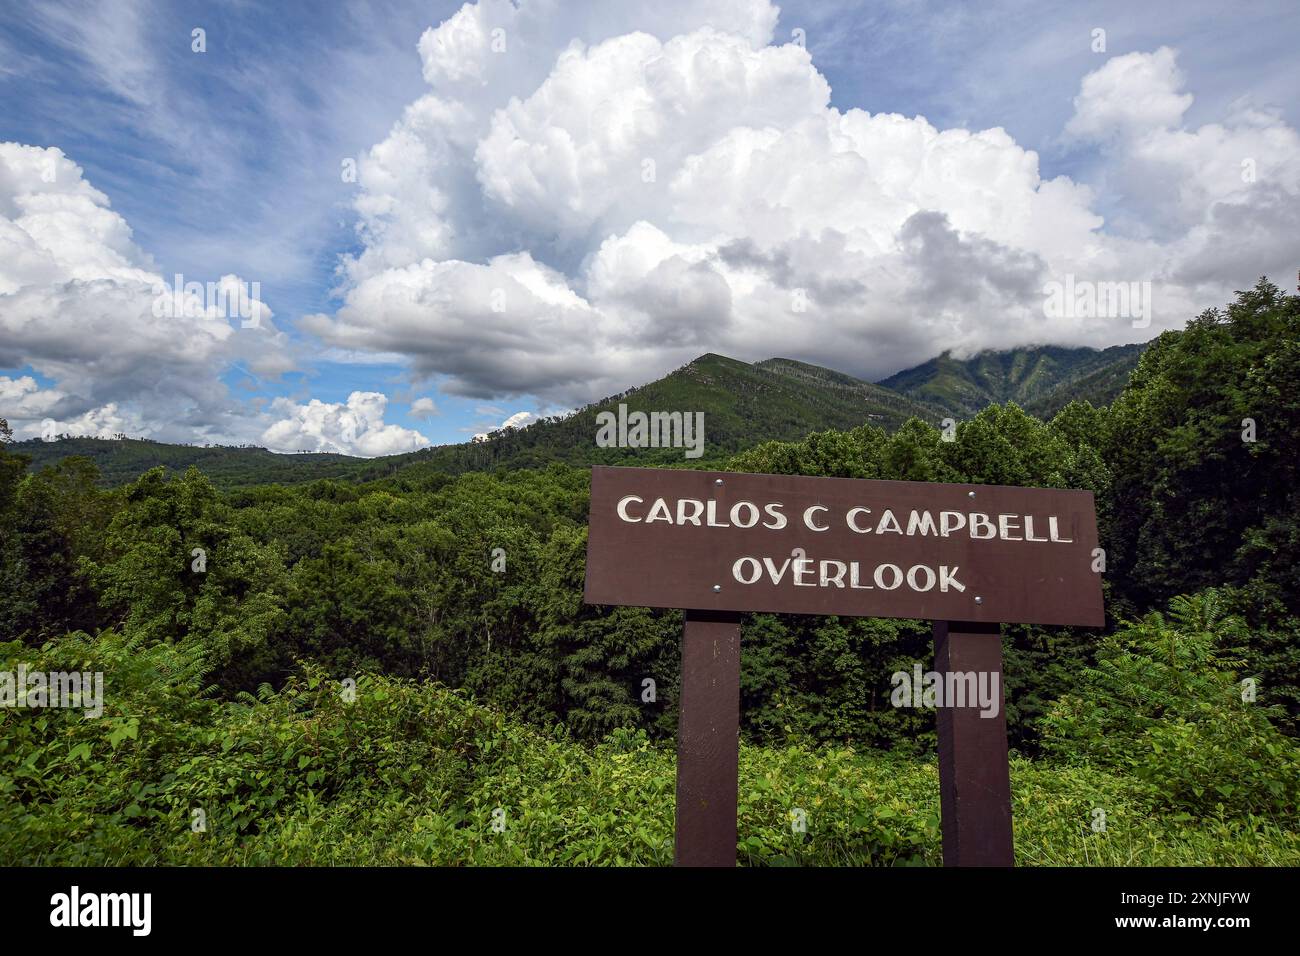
641 189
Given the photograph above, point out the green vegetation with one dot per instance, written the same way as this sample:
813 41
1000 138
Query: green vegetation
1098 385
230 624
411 773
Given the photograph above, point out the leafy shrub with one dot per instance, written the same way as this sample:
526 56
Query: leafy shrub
413 773
1162 705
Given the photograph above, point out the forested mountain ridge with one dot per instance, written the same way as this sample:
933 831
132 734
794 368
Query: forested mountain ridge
778 399
742 405
1042 379
1099 385
125 459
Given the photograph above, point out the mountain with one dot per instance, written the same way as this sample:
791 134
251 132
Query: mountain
1042 379
743 404
125 459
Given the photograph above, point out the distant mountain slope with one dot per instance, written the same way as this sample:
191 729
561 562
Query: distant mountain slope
1041 379
743 405
1100 385
890 408
123 460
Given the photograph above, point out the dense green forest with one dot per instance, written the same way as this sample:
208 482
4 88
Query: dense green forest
339 671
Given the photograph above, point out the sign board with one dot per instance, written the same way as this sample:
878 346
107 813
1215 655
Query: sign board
719 541
969 557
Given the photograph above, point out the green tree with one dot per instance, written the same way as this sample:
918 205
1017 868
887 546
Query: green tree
1205 452
176 569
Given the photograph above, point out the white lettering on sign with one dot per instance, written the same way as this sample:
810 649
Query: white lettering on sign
747 514
808 518
807 573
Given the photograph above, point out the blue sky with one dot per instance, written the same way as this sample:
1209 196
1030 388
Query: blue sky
228 162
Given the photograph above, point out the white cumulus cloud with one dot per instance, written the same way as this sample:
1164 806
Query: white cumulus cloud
616 191
80 304
352 428
424 407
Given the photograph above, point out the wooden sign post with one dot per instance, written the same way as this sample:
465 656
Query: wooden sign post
708 740
974 772
968 557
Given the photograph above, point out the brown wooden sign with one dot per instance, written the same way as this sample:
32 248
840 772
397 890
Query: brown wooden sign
742 542
969 557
